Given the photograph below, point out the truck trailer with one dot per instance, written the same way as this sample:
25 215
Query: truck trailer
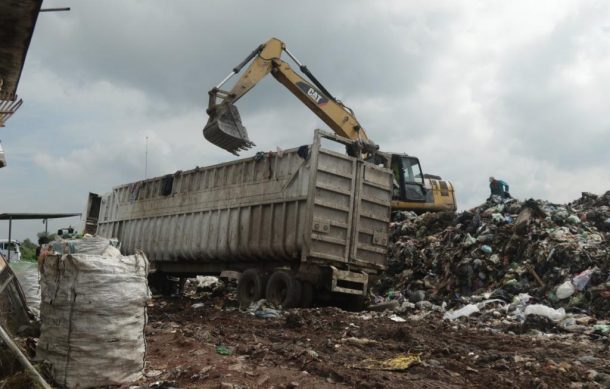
299 223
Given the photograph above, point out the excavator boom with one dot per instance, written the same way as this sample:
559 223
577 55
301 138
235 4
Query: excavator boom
224 127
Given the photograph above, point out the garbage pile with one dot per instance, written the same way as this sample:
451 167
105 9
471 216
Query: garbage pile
557 254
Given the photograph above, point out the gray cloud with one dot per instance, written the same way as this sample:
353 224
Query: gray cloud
517 90
551 101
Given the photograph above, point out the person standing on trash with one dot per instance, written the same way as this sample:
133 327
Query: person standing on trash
499 188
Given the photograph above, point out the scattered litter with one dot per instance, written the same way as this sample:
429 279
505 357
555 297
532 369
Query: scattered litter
389 305
222 350
486 249
565 290
464 311
207 282
401 362
262 308
602 328
358 341
543 310
153 373
581 280
397 319
163 385
313 354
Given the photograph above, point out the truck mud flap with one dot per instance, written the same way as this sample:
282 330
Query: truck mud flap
345 281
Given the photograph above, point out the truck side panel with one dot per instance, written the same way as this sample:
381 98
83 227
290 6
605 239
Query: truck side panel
371 217
332 194
246 210
324 208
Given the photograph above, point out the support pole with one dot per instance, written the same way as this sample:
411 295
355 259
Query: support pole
8 247
57 9
23 360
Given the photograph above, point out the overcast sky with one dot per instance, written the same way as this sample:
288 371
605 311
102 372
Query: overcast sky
519 90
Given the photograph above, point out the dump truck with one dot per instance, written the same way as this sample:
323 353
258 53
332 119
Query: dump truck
296 224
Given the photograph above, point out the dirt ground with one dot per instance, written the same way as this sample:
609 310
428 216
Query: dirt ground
327 347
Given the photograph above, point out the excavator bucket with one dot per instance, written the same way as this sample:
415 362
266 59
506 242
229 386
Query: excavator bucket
224 129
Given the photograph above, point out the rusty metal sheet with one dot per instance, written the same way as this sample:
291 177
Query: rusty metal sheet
17 21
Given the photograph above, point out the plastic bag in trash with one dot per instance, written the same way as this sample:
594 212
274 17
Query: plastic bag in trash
469 240
464 311
565 290
581 280
486 249
397 319
543 310
260 308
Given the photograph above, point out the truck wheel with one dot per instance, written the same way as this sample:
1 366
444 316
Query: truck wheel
250 287
355 303
159 283
283 289
307 294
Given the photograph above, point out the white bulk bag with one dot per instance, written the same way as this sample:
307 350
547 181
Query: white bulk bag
93 313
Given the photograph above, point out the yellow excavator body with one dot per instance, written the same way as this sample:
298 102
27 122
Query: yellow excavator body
414 191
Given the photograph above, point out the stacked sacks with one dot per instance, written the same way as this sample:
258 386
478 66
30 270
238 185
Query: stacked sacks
557 253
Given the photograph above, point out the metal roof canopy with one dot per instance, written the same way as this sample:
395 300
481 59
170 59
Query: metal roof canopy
17 21
34 216
30 216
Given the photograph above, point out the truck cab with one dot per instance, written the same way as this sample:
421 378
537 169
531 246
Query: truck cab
13 247
2 157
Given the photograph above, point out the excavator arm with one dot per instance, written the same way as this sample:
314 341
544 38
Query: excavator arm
224 127
414 191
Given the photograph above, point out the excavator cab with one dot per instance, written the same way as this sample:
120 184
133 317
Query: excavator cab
408 179
419 192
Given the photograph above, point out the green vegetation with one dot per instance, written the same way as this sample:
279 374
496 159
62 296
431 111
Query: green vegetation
46 235
28 250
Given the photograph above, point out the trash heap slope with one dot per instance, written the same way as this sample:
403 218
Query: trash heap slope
559 254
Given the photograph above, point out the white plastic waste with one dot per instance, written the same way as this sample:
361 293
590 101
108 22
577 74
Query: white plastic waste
466 310
497 217
565 290
468 241
207 282
521 299
543 310
518 305
397 319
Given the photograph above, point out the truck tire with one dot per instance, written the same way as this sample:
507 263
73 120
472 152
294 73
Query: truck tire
251 287
307 294
283 289
355 303
159 283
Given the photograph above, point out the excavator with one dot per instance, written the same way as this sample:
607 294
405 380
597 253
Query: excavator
414 191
